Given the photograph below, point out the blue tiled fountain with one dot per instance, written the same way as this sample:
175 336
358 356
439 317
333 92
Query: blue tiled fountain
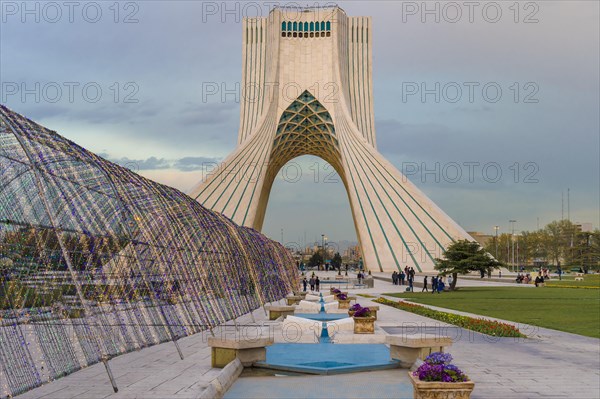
326 357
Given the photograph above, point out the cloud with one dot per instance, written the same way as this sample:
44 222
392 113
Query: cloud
151 163
419 140
188 164
210 114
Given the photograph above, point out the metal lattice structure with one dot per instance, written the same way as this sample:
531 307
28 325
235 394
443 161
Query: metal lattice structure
97 261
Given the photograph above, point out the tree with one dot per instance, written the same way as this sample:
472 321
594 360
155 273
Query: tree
560 237
462 257
315 260
336 262
585 250
504 242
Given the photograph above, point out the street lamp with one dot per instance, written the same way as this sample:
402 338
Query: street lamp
512 239
517 236
496 228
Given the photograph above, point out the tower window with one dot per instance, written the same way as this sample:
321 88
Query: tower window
306 29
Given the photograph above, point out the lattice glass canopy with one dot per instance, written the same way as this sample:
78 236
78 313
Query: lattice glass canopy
96 261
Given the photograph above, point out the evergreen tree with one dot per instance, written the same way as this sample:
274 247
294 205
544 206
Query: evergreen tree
462 257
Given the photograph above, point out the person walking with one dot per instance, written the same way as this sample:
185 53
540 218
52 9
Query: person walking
434 284
317 283
312 283
411 279
304 283
402 277
425 285
395 278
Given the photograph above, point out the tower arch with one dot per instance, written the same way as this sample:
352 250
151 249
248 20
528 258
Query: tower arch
332 118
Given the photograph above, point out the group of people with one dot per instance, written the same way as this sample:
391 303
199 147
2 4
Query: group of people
437 284
523 278
314 283
360 276
398 278
407 275
539 280
526 278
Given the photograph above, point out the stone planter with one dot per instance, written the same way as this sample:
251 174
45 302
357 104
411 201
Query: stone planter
343 303
293 300
276 311
440 390
364 325
374 310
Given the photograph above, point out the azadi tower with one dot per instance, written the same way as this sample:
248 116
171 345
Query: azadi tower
307 84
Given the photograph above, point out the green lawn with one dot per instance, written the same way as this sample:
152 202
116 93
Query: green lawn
589 280
567 309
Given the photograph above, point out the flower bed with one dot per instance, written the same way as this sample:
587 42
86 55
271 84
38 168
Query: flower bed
489 327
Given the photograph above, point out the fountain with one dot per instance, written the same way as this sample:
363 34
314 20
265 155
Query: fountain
322 308
322 356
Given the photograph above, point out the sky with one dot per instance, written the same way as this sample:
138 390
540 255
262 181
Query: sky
492 108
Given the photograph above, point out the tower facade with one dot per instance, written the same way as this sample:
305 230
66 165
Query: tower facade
307 90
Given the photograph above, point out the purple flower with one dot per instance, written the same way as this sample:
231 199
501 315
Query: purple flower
439 358
355 307
362 312
437 368
343 297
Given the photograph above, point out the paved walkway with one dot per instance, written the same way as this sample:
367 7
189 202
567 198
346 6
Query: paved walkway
553 364
154 372
369 385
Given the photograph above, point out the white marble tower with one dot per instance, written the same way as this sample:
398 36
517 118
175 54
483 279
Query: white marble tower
307 89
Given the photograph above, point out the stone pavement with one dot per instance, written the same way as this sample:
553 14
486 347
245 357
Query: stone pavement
367 385
154 372
552 364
